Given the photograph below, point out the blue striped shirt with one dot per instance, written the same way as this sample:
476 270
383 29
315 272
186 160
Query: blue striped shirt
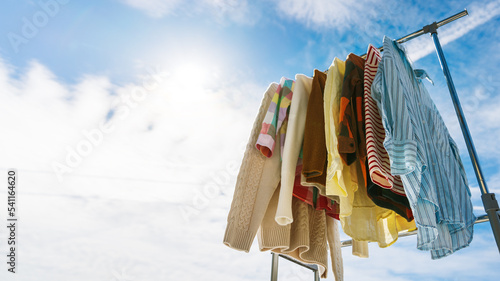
422 151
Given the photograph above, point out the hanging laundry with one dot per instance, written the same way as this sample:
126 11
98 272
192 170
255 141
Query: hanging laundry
335 182
311 196
292 146
314 149
363 144
338 181
423 153
387 190
351 137
378 159
257 192
369 222
276 117
333 238
305 239
256 182
283 235
366 221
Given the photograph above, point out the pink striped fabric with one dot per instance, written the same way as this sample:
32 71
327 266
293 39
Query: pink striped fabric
378 159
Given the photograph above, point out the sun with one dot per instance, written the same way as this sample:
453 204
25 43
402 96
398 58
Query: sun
194 74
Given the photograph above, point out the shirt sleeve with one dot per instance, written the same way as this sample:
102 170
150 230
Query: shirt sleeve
266 140
388 90
275 120
292 146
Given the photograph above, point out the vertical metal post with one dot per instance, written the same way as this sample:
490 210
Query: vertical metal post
489 201
316 275
274 267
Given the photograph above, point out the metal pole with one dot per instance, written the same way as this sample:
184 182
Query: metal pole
423 31
312 267
489 201
439 23
274 267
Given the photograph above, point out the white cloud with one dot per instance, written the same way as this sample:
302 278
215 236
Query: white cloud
366 19
233 10
466 264
154 8
181 132
359 16
118 213
362 16
318 12
481 109
221 10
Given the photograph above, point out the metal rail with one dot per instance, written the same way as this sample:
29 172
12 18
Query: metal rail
423 31
274 269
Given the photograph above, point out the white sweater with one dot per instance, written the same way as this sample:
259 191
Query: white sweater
293 144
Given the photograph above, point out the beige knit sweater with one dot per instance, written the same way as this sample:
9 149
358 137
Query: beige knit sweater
252 209
305 239
257 180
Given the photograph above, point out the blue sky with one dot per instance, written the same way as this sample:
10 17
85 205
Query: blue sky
126 121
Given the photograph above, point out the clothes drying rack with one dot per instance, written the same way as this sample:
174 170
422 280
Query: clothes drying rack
489 201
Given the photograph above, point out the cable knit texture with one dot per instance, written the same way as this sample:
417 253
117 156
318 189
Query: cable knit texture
257 179
303 240
333 237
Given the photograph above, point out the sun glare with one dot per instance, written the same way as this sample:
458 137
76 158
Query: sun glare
194 75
